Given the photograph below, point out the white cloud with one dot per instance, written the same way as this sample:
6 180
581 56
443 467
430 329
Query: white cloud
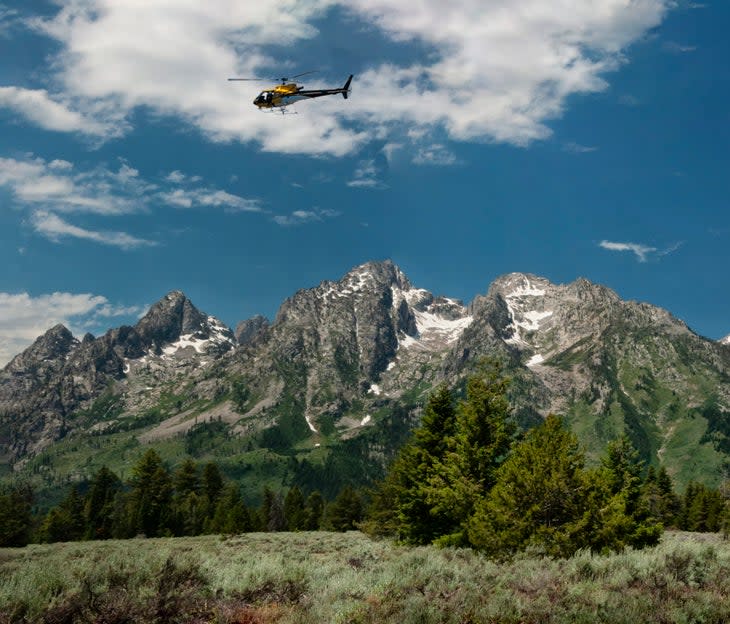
8 17
497 71
34 181
678 48
54 228
299 217
210 197
50 188
577 148
178 177
368 174
641 251
23 317
175 176
435 154
42 109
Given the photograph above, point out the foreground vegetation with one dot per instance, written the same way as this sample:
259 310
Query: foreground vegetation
334 577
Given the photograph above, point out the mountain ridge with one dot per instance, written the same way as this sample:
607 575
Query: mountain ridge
354 359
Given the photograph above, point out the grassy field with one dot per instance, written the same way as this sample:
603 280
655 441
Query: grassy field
331 577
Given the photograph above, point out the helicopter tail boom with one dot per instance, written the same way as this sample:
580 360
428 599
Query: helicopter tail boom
346 88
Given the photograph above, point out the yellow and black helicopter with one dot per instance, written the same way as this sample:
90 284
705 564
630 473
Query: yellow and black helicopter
287 93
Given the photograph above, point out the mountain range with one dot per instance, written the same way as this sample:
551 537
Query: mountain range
328 390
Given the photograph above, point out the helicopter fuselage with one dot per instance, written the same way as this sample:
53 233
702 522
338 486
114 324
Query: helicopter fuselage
285 94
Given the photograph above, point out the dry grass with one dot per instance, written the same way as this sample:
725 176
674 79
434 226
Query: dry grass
330 577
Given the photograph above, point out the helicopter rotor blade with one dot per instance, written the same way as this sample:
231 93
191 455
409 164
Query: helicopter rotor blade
282 79
285 78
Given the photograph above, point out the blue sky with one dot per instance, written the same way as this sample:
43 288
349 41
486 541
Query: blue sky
563 138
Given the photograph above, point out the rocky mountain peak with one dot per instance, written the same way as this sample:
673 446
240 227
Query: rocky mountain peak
541 319
383 272
53 346
725 340
514 285
168 319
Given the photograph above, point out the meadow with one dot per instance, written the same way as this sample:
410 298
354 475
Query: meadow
348 577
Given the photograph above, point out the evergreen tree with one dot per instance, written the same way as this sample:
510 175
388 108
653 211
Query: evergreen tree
271 513
659 497
66 522
189 507
480 444
54 527
313 511
150 496
545 499
99 504
185 480
626 518
231 514
702 509
15 515
294 511
539 497
400 502
346 511
449 464
211 487
670 501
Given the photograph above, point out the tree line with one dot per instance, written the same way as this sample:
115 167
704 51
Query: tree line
466 477
157 502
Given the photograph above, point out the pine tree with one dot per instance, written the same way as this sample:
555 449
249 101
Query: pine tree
211 486
150 496
659 497
294 511
15 514
400 502
271 512
481 441
65 522
231 514
449 464
670 502
313 511
627 518
539 497
702 509
346 511
189 507
99 504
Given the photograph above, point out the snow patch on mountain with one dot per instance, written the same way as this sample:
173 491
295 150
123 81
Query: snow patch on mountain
431 325
213 335
312 428
439 321
524 299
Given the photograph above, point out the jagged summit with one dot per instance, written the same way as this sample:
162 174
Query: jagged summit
169 318
725 340
54 345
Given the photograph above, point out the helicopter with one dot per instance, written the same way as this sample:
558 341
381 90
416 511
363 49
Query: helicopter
287 92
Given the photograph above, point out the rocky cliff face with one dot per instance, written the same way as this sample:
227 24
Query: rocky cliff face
59 375
341 356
